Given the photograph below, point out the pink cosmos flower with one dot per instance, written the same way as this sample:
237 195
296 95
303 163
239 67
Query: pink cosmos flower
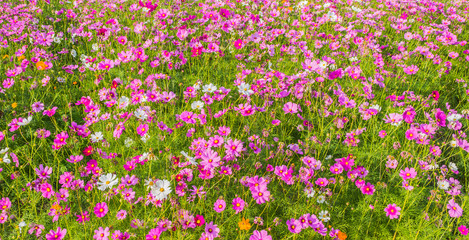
212 230
322 182
260 194
82 218
37 106
411 134
408 173
101 234
337 168
142 129
290 107
392 211
393 118
58 234
435 150
233 147
122 40
368 189
188 117
47 190
238 44
411 69
262 235
224 131
219 205
49 112
238 204
454 209
382 134
101 209
294 225
154 234
435 95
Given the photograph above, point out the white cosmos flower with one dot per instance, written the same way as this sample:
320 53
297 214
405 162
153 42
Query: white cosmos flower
5 159
453 166
140 114
4 150
144 156
149 183
73 53
324 216
209 88
191 159
245 89
26 121
96 137
196 86
197 105
107 181
145 138
161 189
95 47
128 142
356 9
321 199
376 107
310 192
443 185
323 64
454 117
21 225
123 102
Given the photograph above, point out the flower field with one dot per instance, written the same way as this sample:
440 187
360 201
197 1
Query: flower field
234 119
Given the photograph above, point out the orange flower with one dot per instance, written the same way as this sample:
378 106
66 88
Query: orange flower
21 57
244 224
342 235
41 65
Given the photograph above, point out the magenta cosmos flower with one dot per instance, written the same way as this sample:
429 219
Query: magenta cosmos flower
142 129
322 182
454 209
238 204
262 235
463 230
238 44
101 209
392 211
58 234
219 205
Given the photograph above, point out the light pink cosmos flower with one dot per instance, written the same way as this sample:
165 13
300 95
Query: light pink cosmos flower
262 235
101 233
393 118
290 107
454 209
411 69
392 211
